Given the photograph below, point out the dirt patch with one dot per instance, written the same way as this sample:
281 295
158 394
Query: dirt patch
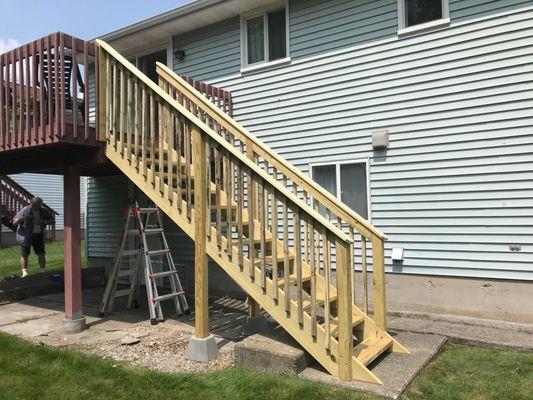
161 347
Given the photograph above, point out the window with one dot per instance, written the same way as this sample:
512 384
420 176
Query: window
421 13
346 181
264 37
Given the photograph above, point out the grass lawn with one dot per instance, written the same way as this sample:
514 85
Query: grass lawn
33 372
10 264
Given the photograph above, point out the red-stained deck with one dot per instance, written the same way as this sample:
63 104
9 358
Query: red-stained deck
46 121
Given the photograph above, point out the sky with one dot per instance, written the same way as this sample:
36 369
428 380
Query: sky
26 20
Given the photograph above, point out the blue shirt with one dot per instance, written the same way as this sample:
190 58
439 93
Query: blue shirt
25 228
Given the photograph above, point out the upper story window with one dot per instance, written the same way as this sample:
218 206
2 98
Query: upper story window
264 37
422 14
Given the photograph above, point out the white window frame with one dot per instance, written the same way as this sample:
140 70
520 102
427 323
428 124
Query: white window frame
337 165
403 29
245 67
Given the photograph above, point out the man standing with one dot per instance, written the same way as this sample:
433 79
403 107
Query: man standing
31 221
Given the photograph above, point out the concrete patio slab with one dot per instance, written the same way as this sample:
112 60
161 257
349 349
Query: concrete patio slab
395 370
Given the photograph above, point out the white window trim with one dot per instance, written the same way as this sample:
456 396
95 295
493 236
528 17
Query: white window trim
245 67
170 53
403 29
337 165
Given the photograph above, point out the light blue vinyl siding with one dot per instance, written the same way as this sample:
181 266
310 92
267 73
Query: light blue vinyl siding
455 187
107 198
220 43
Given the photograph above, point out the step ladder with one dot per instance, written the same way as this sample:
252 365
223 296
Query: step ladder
140 224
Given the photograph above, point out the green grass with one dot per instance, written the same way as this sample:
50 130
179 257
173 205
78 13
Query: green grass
41 373
10 264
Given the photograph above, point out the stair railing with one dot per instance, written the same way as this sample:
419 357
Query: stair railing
370 251
241 204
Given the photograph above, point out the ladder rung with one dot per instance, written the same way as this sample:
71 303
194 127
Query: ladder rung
131 252
153 231
162 274
146 231
147 210
125 272
166 296
158 252
123 292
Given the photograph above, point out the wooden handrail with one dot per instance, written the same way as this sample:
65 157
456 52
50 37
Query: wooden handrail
310 190
221 142
293 173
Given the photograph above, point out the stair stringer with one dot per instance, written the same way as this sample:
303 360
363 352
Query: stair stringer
302 334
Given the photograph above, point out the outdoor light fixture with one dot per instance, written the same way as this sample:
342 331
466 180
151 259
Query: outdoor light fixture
179 55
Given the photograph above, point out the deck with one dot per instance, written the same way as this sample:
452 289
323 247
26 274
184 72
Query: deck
46 119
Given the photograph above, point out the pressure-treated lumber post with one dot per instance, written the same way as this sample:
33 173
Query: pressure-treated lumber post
200 235
378 275
253 307
344 292
102 89
202 346
74 320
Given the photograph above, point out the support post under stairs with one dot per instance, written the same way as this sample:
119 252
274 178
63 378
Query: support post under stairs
202 346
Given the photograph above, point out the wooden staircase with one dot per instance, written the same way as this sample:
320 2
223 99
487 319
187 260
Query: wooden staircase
282 238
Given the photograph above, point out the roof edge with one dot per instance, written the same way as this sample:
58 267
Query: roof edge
158 19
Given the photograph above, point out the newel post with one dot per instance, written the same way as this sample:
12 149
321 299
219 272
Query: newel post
102 93
378 277
202 346
344 291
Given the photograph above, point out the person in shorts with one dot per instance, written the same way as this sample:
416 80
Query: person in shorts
31 222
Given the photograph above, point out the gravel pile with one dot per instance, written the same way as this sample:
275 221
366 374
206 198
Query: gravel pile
161 347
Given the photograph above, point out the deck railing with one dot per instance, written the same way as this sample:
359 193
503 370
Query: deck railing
13 197
44 93
368 241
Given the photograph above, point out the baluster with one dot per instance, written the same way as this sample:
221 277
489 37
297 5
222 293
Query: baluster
229 210
160 139
298 262
263 220
122 119
275 274
286 265
143 132
327 275
364 274
170 145
187 146
240 208
218 197
251 215
137 118
152 140
311 230
306 233
179 171
209 186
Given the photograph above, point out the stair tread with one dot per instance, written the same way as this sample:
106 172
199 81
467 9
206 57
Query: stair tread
334 323
306 276
371 348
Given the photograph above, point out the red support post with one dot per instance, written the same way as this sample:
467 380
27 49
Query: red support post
72 237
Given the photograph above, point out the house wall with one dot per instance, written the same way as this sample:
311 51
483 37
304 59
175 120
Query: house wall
455 187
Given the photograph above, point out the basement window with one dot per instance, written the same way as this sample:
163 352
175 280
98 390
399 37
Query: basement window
264 38
421 15
348 181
